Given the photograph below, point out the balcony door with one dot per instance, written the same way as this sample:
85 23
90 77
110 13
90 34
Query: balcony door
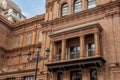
90 49
73 52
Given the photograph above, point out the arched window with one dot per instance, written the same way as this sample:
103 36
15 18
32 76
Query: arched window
91 4
65 9
77 6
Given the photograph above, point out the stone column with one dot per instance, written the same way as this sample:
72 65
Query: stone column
97 43
51 51
82 46
63 49
84 4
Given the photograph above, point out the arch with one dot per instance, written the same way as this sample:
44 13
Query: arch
77 6
64 9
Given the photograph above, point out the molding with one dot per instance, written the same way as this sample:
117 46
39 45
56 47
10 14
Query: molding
6 22
28 21
101 9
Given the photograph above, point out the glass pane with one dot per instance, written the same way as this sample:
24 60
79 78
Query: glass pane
91 49
91 4
76 75
77 6
60 76
64 9
93 74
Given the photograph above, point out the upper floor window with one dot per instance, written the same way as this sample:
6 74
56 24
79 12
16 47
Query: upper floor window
91 49
77 6
91 4
17 41
65 9
40 36
28 38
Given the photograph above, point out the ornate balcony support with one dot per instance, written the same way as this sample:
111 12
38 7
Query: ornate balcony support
63 49
82 46
97 43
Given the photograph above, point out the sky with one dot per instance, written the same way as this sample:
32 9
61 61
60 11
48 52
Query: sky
30 8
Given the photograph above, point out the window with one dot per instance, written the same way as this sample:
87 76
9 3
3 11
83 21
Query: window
91 4
77 6
40 36
74 52
11 79
29 78
93 74
28 38
60 76
91 49
76 75
17 41
65 9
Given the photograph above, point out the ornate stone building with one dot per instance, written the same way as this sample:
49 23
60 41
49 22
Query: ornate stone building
11 11
83 37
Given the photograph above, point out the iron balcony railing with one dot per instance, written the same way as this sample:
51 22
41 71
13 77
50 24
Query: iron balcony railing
73 55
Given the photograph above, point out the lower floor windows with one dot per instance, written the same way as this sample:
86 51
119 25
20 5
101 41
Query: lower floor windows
93 74
60 76
29 78
76 75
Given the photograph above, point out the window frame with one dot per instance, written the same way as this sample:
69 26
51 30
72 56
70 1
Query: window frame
76 6
29 77
67 9
92 5
92 74
59 75
76 72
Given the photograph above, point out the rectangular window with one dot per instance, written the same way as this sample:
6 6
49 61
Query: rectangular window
29 78
17 41
91 49
77 6
40 36
91 4
28 38
76 75
93 74
60 76
65 10
74 52
11 79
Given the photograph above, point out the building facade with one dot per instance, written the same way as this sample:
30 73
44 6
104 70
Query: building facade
82 35
11 11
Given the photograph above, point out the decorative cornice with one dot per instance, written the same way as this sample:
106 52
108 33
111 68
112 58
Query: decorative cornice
101 9
31 20
6 22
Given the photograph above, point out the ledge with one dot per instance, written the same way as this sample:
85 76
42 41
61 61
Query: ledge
78 63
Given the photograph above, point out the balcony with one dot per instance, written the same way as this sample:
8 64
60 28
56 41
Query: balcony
79 48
